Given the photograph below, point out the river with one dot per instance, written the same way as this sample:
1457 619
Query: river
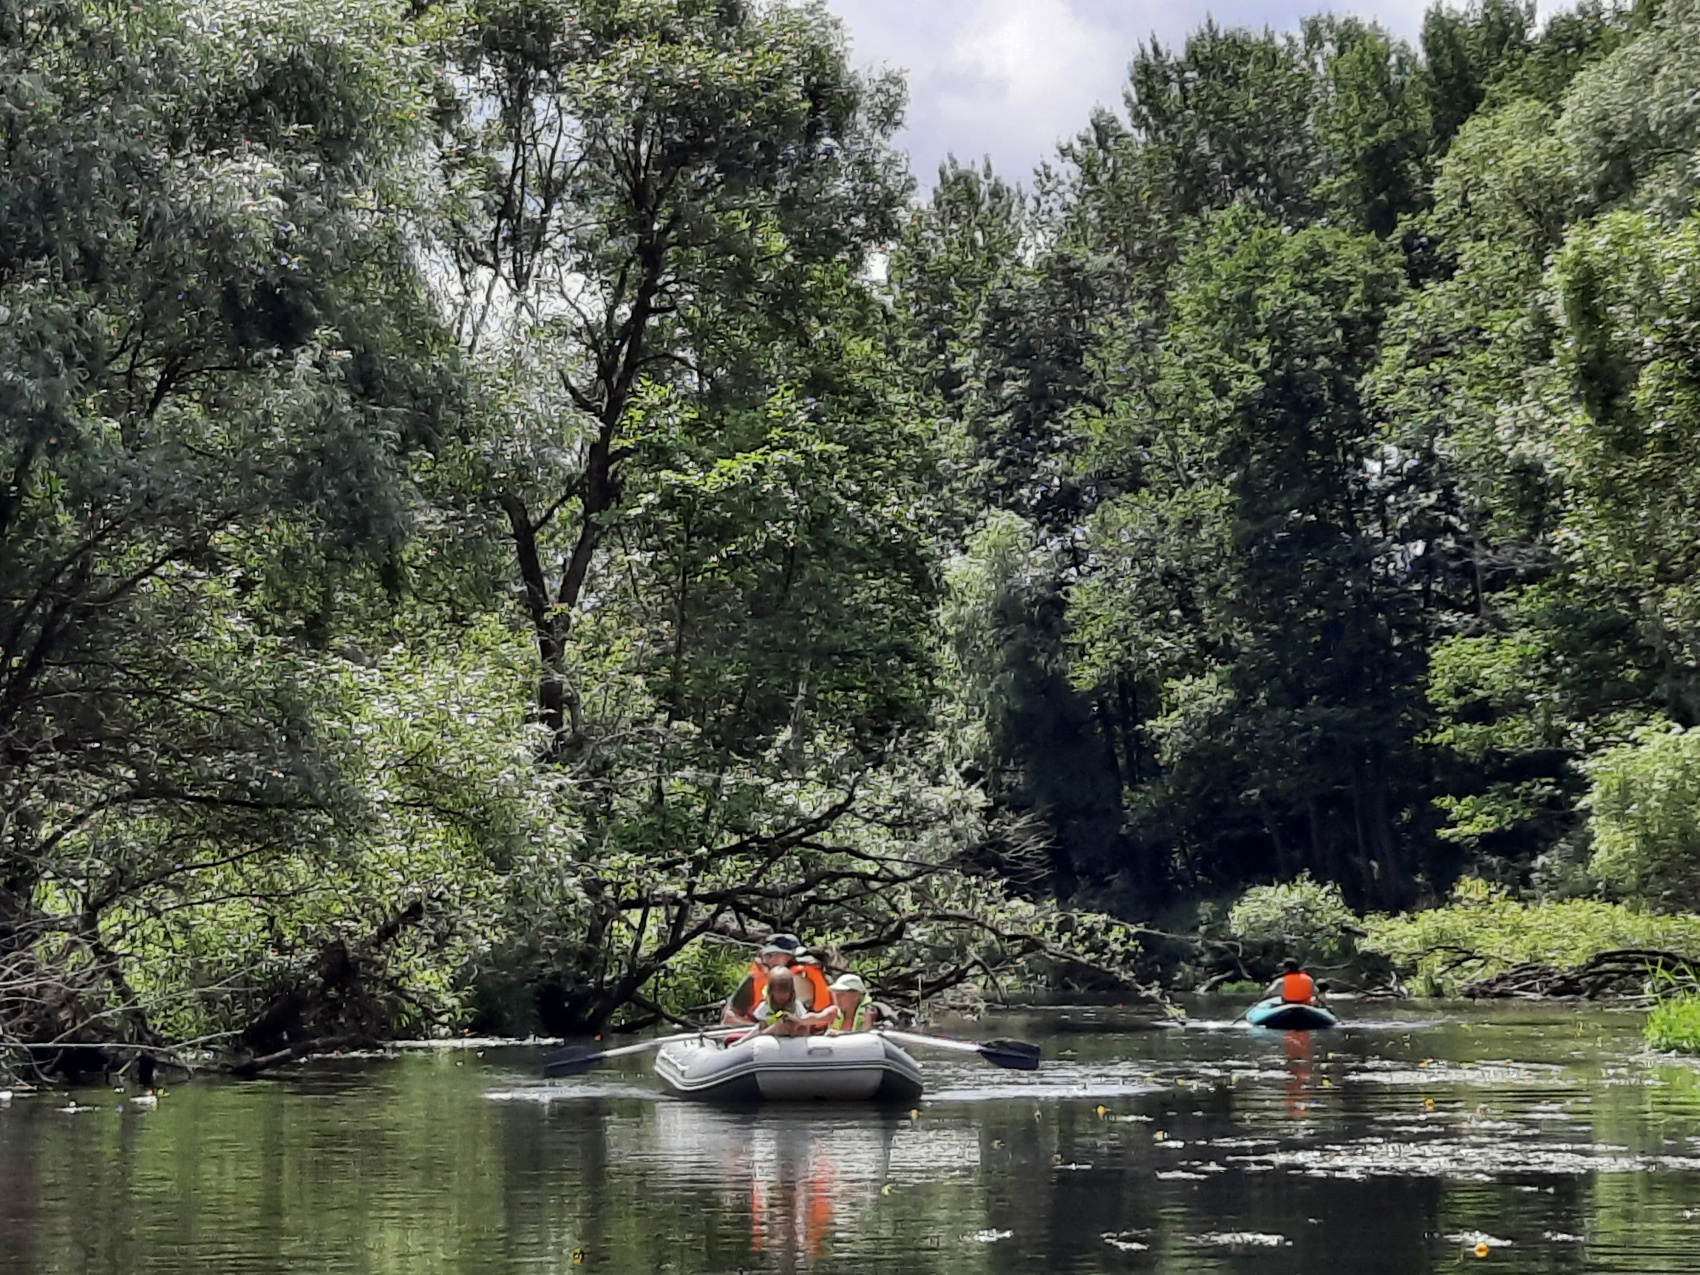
1510 1139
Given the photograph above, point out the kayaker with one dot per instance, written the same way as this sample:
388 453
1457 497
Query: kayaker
777 952
779 1012
1294 987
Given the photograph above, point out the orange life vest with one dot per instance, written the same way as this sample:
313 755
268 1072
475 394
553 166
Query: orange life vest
1298 989
820 991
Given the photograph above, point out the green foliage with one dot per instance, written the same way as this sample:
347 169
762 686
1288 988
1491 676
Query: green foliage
478 533
216 372
1303 918
1466 51
1240 987
1483 931
1674 1024
1645 808
1632 118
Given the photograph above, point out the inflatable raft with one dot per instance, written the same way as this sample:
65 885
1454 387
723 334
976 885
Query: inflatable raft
857 1067
1288 1016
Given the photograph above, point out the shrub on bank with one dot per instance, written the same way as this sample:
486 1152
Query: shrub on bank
1484 931
1674 1024
1303 918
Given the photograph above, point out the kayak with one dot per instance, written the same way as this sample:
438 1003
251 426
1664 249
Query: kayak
855 1067
1288 1016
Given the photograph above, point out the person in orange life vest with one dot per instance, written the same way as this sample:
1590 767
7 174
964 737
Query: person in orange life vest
778 952
779 1011
811 979
1295 987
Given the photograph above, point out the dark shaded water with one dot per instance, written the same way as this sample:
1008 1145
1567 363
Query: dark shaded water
1546 1136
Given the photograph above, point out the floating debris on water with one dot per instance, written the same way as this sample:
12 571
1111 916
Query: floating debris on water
1126 1241
1467 1162
1179 1175
986 1237
1477 1239
1238 1239
1563 1237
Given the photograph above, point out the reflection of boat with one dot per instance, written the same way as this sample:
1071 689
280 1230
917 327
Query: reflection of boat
1288 1016
856 1067
805 1181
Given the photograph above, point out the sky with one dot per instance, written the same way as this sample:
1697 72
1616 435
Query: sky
1010 78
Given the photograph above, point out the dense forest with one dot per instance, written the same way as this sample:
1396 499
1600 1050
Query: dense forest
505 502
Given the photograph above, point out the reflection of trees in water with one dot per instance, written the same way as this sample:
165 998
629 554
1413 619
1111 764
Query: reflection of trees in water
17 1197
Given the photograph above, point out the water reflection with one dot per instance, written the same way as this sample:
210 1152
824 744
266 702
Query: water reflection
1390 1148
1298 1047
798 1177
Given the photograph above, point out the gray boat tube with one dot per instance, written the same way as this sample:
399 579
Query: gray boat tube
854 1067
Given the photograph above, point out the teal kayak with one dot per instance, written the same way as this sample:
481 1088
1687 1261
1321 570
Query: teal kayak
1288 1016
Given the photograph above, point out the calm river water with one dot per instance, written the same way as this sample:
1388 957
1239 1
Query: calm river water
1544 1139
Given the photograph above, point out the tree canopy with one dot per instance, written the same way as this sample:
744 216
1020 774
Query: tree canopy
505 503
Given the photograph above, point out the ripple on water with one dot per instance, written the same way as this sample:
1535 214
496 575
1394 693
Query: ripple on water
598 1091
1439 1072
1052 1082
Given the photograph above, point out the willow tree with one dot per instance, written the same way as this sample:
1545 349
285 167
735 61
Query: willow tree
211 380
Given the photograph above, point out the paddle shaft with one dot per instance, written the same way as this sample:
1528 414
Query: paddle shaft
580 1058
1015 1054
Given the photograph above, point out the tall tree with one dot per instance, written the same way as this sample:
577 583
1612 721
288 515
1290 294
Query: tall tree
214 368
655 190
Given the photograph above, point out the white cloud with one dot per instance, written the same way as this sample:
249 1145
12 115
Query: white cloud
1010 78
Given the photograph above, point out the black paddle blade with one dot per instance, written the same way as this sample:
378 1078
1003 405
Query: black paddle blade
571 1062
1017 1055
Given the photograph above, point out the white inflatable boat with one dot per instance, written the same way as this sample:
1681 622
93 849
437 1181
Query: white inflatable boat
857 1067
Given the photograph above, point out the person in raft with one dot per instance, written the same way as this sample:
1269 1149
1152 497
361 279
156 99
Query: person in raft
779 1012
812 979
1295 987
851 1010
781 951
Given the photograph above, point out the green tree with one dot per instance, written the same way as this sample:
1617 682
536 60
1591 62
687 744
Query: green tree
216 369
651 194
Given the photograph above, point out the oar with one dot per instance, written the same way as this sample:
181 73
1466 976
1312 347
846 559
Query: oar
581 1058
1017 1055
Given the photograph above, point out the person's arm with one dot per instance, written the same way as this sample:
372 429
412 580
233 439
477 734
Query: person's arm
1274 989
818 1019
738 1011
785 1024
873 1014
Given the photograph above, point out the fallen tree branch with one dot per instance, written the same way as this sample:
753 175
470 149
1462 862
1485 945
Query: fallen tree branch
1607 973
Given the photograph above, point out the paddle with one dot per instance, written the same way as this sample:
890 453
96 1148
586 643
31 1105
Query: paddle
578 1059
1017 1055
